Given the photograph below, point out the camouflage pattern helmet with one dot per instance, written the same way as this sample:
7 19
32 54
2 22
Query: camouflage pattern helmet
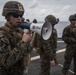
51 19
72 17
13 6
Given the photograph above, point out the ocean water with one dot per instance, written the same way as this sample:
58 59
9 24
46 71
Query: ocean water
60 26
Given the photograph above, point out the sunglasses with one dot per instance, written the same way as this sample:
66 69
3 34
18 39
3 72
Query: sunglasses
15 15
73 20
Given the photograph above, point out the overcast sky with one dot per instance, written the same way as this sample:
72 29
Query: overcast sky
39 9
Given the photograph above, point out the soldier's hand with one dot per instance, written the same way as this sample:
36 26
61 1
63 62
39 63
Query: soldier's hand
52 63
26 37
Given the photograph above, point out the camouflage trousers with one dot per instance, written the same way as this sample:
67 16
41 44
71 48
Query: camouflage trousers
45 65
70 54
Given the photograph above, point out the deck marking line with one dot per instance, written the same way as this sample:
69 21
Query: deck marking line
60 41
69 69
37 57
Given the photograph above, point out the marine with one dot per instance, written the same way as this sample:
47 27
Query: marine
69 37
44 49
14 43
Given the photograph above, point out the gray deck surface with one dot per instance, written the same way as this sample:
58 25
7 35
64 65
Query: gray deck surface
34 65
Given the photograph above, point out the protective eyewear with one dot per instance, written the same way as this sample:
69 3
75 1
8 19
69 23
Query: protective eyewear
73 19
17 16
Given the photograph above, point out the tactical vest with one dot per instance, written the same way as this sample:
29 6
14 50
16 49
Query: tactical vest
13 36
14 39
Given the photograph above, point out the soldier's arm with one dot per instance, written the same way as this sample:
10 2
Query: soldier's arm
68 36
8 56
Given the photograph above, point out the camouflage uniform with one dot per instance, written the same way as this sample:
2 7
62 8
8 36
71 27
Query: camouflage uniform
44 49
13 51
69 37
53 20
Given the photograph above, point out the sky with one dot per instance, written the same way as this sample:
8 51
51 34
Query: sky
39 9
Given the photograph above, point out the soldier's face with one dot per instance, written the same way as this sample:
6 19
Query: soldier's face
15 19
73 22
